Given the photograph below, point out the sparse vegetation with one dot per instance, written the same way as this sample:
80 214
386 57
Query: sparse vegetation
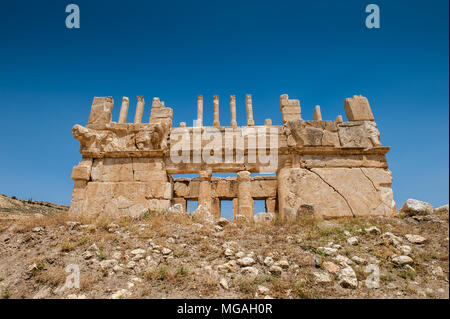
6 294
191 265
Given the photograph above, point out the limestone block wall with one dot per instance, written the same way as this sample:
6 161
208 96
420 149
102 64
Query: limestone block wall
121 186
327 168
122 171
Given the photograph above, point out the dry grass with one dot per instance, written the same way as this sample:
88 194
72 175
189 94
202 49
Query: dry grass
185 273
166 273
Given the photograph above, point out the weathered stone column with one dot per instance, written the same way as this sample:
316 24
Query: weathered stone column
244 195
283 192
271 203
215 207
199 111
139 110
249 108
233 122
268 122
235 208
339 119
124 110
216 122
317 115
204 191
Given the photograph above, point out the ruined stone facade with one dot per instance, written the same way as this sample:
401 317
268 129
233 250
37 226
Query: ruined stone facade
325 168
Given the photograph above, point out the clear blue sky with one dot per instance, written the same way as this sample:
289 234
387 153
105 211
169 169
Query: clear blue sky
317 51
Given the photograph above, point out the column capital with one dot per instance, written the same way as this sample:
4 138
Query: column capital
244 176
205 175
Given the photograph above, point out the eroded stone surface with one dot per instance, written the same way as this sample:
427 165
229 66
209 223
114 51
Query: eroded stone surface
338 192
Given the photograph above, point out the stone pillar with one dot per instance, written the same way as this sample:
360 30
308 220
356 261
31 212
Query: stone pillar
233 122
204 191
283 192
124 110
268 122
199 111
317 115
249 108
216 122
244 195
235 207
215 207
271 203
182 124
339 119
139 110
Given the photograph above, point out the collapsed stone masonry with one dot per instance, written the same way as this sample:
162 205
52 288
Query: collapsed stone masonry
325 168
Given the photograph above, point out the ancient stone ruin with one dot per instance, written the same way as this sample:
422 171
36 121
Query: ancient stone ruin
325 168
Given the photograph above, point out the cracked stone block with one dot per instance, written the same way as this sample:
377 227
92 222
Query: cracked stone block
336 192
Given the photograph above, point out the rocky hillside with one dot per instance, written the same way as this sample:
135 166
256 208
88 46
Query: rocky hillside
12 207
169 255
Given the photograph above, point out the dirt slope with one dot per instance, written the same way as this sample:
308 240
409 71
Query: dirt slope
178 257
11 207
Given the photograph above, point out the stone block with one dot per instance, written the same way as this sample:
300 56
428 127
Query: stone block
181 189
147 164
101 111
357 108
112 170
79 190
160 190
81 173
150 176
359 134
337 192
261 189
155 205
